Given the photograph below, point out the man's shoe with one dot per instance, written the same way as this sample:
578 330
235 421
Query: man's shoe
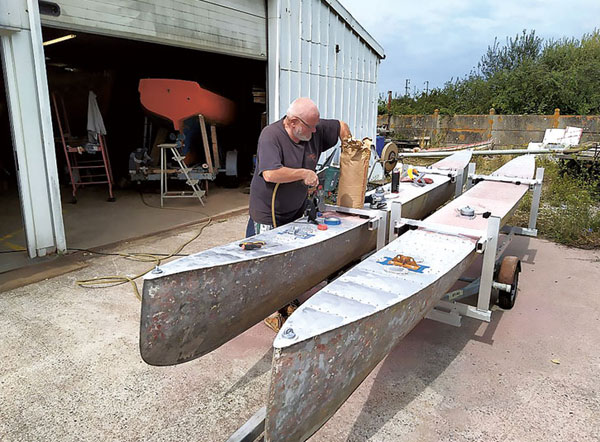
274 322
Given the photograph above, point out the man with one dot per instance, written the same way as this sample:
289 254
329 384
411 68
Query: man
286 159
288 151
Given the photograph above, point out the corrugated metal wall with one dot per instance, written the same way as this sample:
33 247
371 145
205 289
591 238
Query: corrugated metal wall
315 49
313 52
232 27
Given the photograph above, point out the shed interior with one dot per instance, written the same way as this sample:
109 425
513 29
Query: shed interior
111 68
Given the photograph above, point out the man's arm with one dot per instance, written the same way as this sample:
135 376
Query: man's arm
344 131
289 175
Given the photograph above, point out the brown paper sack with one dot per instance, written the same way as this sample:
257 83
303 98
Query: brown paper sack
354 166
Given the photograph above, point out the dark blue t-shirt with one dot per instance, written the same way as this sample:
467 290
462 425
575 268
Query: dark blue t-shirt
275 150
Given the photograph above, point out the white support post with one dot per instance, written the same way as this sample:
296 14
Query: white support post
459 183
31 123
395 215
535 201
489 260
470 172
382 229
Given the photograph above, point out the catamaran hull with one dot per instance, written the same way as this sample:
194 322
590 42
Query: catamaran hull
200 302
340 359
426 203
190 314
333 341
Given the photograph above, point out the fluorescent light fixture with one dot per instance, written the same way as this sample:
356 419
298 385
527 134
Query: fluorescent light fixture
59 39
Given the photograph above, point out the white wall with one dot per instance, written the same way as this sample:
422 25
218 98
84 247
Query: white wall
304 61
232 27
31 126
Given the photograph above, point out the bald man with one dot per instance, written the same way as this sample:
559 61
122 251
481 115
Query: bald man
288 151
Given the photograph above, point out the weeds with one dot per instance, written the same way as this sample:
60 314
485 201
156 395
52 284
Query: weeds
569 211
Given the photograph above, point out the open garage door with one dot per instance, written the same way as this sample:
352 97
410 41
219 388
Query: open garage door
112 68
75 63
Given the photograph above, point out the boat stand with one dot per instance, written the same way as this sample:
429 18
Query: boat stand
378 220
499 276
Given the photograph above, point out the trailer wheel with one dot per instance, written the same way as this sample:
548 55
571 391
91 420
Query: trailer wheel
509 274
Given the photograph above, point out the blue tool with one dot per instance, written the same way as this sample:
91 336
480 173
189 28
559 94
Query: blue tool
333 221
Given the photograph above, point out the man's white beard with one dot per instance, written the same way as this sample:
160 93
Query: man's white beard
301 137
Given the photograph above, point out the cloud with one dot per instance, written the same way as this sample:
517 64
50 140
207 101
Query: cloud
436 40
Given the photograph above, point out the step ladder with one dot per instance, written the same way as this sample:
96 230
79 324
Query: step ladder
196 192
84 167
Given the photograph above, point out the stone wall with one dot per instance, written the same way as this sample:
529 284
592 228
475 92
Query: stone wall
504 129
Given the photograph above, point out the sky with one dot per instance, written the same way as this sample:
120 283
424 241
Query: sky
438 40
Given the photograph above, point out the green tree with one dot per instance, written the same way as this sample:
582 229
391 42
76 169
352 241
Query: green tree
517 51
527 75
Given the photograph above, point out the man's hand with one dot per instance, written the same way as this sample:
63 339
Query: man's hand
344 131
289 175
311 179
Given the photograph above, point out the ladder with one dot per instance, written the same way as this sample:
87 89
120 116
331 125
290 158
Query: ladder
196 192
83 166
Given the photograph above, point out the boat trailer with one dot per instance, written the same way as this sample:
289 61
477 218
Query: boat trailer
499 275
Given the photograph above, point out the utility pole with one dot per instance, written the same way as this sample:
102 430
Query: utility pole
426 87
407 87
389 103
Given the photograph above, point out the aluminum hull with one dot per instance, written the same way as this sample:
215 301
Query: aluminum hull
188 314
334 340
418 202
200 302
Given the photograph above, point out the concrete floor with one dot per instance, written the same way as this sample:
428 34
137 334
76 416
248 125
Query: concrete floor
71 368
94 222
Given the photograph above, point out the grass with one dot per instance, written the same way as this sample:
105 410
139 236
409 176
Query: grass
570 205
569 211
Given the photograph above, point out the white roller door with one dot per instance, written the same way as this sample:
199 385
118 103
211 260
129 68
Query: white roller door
231 27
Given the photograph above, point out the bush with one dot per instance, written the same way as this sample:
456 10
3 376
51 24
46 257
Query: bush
525 76
569 210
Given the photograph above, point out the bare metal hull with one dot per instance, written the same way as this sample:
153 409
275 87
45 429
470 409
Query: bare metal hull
353 350
200 302
334 340
187 315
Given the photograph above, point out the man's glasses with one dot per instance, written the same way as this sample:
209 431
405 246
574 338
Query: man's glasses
305 123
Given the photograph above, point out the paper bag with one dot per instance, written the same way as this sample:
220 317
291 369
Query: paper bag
354 166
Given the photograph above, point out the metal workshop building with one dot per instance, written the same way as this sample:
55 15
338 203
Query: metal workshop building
296 48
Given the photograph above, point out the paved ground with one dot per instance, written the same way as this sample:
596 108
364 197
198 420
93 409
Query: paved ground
94 222
71 370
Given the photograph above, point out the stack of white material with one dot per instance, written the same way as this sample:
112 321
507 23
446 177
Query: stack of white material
559 139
